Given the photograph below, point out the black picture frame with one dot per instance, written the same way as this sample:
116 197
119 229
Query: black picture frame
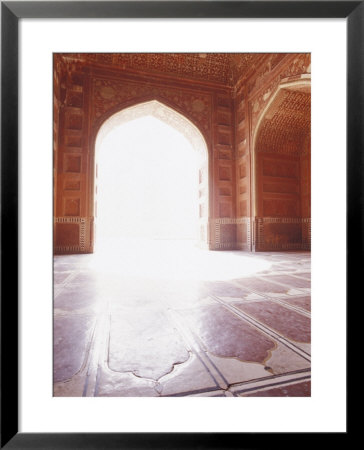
11 12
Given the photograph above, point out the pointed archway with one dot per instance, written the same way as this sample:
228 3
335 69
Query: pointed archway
171 118
281 170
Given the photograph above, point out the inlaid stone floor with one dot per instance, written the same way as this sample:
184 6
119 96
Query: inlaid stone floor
150 319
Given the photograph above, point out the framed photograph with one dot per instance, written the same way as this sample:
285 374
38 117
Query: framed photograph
161 295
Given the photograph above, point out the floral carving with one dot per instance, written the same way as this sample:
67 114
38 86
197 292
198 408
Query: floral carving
109 93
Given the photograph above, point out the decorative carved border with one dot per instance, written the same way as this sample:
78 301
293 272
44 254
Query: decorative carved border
305 243
84 231
215 235
215 227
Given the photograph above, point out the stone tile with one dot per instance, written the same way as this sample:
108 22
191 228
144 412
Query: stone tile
73 298
282 360
145 343
214 393
235 371
64 267
70 388
76 259
291 281
113 384
305 347
262 285
286 322
224 334
290 390
60 277
250 297
303 302
306 275
147 356
281 268
223 288
71 337
88 279
187 378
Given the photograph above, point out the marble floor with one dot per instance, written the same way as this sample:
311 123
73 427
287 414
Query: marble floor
155 318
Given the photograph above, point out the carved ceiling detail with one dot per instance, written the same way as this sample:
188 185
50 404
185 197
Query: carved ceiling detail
286 125
299 67
221 68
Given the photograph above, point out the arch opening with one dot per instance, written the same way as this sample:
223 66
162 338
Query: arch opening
282 174
150 178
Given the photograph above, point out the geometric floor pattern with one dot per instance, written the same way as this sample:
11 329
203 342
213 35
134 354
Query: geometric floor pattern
149 322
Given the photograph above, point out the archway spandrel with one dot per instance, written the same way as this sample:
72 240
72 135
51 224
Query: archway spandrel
110 96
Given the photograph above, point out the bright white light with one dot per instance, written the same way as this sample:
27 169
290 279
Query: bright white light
172 260
147 208
147 183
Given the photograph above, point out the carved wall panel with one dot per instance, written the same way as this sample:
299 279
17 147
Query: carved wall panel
72 184
306 180
225 191
279 234
71 160
280 207
282 167
59 70
225 209
242 168
243 208
225 173
278 186
224 170
71 206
